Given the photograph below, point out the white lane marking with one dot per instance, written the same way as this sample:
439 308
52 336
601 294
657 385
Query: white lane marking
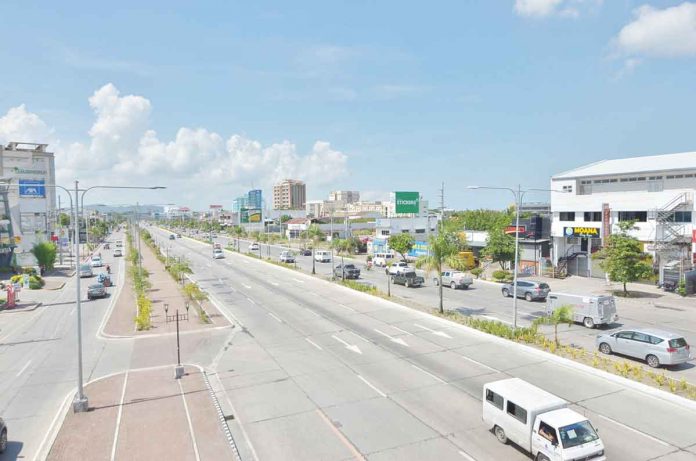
403 331
298 280
24 368
341 437
72 312
275 317
346 307
479 363
276 284
373 387
351 347
429 374
391 338
495 319
435 332
661 442
245 261
251 300
466 456
246 286
312 312
190 425
363 339
314 344
118 417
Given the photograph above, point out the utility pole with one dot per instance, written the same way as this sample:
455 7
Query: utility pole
442 205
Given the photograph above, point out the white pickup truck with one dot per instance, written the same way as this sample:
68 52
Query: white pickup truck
454 280
397 268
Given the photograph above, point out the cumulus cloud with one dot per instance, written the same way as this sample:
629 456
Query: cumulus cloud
123 149
544 8
664 33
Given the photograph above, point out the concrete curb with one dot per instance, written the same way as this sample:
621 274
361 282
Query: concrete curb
59 287
31 308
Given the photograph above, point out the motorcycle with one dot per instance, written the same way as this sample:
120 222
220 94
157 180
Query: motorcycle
368 266
108 269
669 286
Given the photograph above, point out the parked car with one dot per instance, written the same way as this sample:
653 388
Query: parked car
527 289
254 247
397 267
3 436
218 254
96 290
97 261
119 243
322 256
306 252
454 280
118 252
287 257
588 310
382 259
86 270
178 236
349 269
539 422
172 236
656 347
408 279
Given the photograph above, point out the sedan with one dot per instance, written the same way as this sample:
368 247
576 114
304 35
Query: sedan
118 252
527 289
254 247
306 252
656 347
96 290
97 261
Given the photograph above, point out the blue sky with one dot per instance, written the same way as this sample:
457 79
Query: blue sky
373 96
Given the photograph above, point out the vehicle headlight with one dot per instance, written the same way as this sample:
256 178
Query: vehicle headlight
601 453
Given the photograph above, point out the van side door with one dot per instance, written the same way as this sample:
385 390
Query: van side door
545 440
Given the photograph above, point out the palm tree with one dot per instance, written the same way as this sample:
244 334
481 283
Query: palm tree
562 314
441 247
316 234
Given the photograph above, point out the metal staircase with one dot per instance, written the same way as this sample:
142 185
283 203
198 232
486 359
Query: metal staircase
561 269
668 232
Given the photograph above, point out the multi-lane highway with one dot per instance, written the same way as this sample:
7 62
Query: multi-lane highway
319 371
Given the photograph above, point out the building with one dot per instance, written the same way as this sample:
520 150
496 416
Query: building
538 208
374 208
315 208
655 191
255 199
239 203
29 170
344 196
391 212
289 194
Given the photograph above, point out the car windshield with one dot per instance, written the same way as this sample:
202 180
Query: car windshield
577 434
85 267
96 286
679 342
409 274
349 266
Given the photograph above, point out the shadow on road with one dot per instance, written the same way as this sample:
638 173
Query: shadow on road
13 450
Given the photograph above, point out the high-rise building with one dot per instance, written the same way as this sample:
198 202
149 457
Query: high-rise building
255 199
239 203
290 194
345 196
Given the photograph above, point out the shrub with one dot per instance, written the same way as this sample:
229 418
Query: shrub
35 282
142 320
476 272
501 275
45 254
681 288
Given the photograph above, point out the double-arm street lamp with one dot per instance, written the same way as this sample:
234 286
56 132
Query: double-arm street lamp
519 195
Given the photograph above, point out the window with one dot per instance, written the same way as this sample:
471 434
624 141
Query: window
655 340
670 176
624 335
494 399
624 179
593 216
639 216
678 176
679 342
688 175
404 231
420 231
385 231
682 216
567 188
517 412
641 337
567 216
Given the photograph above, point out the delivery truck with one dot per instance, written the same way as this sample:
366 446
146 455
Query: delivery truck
539 422
588 310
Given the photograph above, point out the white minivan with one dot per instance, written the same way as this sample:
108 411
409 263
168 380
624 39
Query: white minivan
322 256
539 422
382 259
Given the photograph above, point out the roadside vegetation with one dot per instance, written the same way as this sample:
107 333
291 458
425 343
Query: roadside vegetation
140 279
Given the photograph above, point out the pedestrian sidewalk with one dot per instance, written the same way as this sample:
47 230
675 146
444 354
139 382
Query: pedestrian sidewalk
164 292
146 415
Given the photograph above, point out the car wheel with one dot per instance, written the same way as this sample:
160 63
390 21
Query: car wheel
500 435
541 457
605 348
3 441
653 362
506 293
588 322
453 286
528 297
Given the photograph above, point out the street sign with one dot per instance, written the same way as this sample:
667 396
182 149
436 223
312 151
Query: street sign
586 232
407 202
32 188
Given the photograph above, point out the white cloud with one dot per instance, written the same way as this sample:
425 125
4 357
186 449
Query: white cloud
197 164
670 32
564 8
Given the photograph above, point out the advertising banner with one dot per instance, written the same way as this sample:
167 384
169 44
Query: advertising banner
513 230
420 248
254 215
407 202
586 232
32 188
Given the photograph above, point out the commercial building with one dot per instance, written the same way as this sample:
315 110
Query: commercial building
655 191
255 199
289 194
239 203
344 196
28 169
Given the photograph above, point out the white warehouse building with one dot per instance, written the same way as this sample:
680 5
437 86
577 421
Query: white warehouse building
655 191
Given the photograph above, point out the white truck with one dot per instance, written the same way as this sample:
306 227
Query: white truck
397 268
588 310
454 280
539 422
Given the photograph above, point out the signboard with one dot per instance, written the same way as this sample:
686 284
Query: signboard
606 220
585 232
212 207
514 230
32 188
407 202
420 248
254 215
693 236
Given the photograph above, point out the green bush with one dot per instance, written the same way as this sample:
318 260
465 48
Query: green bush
501 275
360 286
35 282
17 278
142 320
476 272
681 288
45 254
29 270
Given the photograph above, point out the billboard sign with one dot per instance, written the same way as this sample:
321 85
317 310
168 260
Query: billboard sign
420 248
254 215
584 232
32 188
515 230
407 202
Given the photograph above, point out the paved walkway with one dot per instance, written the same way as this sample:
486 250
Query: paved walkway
145 415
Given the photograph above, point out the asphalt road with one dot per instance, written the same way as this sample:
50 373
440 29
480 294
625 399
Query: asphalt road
319 371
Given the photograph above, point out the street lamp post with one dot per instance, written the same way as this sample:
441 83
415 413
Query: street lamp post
519 195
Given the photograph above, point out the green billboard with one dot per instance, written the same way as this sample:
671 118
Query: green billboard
407 202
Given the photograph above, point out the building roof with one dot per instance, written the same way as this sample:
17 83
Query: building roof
665 162
296 221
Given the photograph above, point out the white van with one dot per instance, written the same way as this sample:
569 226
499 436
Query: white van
322 256
382 259
588 310
539 422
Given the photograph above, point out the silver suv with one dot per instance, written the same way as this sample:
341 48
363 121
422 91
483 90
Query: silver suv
656 347
527 289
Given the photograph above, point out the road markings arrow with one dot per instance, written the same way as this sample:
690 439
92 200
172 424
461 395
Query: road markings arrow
350 347
435 332
391 338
